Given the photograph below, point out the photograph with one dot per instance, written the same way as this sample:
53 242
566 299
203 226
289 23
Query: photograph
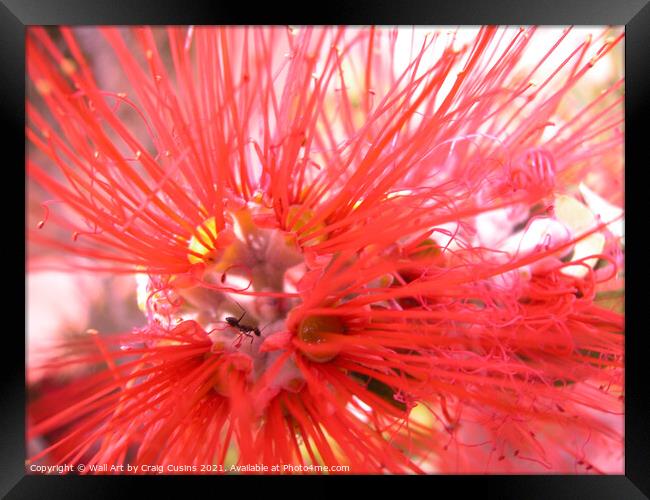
325 250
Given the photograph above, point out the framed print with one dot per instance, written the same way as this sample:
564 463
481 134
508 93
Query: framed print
386 246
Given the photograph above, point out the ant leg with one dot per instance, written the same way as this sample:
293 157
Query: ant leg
219 329
260 331
238 341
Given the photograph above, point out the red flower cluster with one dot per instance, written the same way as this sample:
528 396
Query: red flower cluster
357 247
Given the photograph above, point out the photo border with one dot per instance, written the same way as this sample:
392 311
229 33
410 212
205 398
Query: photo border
15 15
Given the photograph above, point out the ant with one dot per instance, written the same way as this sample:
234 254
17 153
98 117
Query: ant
243 329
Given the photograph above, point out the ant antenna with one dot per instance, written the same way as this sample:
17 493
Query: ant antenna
238 304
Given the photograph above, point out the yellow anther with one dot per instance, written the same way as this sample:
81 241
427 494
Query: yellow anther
205 234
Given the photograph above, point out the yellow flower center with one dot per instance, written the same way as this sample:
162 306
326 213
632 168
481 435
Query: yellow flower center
297 222
202 242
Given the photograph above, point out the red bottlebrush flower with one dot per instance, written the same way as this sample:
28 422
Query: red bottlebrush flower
357 250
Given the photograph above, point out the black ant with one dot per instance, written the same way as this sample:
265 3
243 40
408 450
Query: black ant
245 329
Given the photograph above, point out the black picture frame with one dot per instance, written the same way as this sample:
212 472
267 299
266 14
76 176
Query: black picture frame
15 15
